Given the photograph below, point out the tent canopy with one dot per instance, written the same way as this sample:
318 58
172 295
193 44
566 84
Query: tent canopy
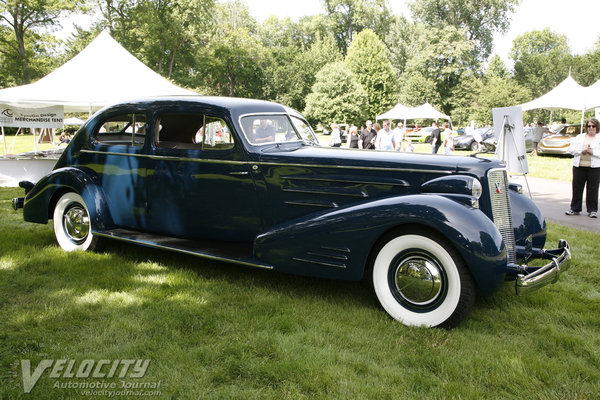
103 73
568 94
400 111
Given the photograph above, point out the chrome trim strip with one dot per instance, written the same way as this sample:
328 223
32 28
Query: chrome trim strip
184 251
342 249
319 263
342 257
402 184
308 203
271 164
168 158
358 194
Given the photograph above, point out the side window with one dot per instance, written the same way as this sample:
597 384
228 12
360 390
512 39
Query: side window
193 132
124 129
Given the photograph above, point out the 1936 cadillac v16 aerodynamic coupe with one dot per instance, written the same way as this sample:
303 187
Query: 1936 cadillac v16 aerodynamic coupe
245 181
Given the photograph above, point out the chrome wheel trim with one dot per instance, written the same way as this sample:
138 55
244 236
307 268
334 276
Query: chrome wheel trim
418 279
76 223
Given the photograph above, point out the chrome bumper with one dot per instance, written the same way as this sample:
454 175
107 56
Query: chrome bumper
534 278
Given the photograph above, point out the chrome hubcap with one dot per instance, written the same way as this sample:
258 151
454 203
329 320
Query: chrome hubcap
418 280
76 223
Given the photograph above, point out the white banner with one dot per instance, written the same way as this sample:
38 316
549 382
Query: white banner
43 117
508 127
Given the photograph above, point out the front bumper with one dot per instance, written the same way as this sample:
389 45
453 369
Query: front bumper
533 278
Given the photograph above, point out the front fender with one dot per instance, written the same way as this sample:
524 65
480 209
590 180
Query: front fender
528 222
40 200
337 243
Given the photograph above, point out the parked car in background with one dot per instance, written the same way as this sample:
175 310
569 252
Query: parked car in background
246 182
468 142
423 135
489 144
558 143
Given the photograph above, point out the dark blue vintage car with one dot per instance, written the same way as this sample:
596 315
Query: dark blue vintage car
245 181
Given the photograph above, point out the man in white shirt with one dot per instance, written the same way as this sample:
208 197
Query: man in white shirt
385 138
399 136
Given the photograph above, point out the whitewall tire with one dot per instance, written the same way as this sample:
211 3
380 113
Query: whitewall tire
72 227
421 280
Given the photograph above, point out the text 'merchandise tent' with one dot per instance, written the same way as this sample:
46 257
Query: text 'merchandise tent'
103 73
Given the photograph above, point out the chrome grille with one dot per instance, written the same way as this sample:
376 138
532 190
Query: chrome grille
498 184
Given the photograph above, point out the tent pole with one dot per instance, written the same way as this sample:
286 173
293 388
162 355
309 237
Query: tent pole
4 140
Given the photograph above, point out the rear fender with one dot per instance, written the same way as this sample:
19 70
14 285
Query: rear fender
41 199
337 243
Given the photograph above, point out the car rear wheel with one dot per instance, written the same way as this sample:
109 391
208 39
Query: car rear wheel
421 280
72 227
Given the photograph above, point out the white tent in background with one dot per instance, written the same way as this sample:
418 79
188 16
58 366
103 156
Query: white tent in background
425 111
568 94
399 111
592 96
103 73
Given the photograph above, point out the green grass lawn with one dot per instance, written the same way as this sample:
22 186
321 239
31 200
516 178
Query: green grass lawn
23 143
218 331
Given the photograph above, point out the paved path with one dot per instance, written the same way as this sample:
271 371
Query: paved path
554 198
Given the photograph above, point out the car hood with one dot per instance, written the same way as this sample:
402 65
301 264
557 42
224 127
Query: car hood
341 157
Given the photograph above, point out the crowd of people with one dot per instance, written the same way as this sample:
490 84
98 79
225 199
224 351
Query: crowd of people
376 136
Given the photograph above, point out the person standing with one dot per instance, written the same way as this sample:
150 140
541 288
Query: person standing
336 138
385 138
448 139
585 148
367 137
436 138
353 138
399 134
538 133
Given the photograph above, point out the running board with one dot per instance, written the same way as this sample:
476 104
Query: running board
237 253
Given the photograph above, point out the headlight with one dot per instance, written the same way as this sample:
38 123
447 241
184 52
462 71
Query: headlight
476 188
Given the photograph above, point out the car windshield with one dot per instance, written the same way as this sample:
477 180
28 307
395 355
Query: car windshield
263 129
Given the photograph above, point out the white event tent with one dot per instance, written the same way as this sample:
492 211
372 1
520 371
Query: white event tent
403 112
569 95
103 73
427 111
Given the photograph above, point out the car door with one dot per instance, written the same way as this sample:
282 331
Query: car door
116 156
199 183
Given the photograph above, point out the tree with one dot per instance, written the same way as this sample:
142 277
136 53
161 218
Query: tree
336 96
349 17
444 59
479 19
291 73
368 61
541 60
24 18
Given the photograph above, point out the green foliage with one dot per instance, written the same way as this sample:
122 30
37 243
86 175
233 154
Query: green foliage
478 19
368 61
336 96
292 72
348 17
22 47
541 60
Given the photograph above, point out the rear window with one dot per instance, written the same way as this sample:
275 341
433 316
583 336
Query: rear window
123 129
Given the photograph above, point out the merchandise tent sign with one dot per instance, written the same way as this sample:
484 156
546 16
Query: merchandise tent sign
37 118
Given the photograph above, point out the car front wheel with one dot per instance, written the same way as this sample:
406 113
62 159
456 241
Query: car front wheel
421 280
72 227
